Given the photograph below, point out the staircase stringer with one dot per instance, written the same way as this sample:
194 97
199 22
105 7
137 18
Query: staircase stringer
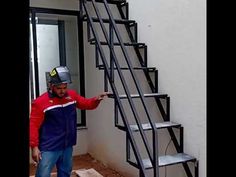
128 62
147 75
152 87
154 158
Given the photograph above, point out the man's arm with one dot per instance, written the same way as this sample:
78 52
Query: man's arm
36 119
90 103
102 95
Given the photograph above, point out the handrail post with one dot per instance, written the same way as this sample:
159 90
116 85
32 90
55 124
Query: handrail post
111 41
155 154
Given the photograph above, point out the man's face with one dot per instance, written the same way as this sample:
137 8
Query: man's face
60 89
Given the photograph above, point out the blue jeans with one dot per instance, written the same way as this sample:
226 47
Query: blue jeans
62 159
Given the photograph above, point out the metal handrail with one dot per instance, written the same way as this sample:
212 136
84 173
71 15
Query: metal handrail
164 115
154 130
123 81
123 115
153 159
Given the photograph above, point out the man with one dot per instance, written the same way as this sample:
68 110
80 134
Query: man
53 124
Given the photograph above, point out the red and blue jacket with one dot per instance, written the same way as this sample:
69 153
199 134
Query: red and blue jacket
53 119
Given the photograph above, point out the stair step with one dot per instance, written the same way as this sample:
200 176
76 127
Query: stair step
161 125
118 44
138 96
167 160
111 1
117 21
135 68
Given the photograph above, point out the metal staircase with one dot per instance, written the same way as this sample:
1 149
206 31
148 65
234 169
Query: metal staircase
131 104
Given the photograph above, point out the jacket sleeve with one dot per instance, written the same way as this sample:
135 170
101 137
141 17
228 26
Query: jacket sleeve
87 103
35 121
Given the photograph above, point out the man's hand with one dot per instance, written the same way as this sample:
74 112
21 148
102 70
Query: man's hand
102 95
36 155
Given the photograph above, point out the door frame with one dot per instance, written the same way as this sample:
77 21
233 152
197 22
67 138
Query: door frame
33 11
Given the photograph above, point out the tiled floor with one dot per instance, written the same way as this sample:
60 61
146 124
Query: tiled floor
84 162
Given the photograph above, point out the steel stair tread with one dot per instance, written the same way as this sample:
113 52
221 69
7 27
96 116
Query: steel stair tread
160 125
117 21
159 95
166 160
